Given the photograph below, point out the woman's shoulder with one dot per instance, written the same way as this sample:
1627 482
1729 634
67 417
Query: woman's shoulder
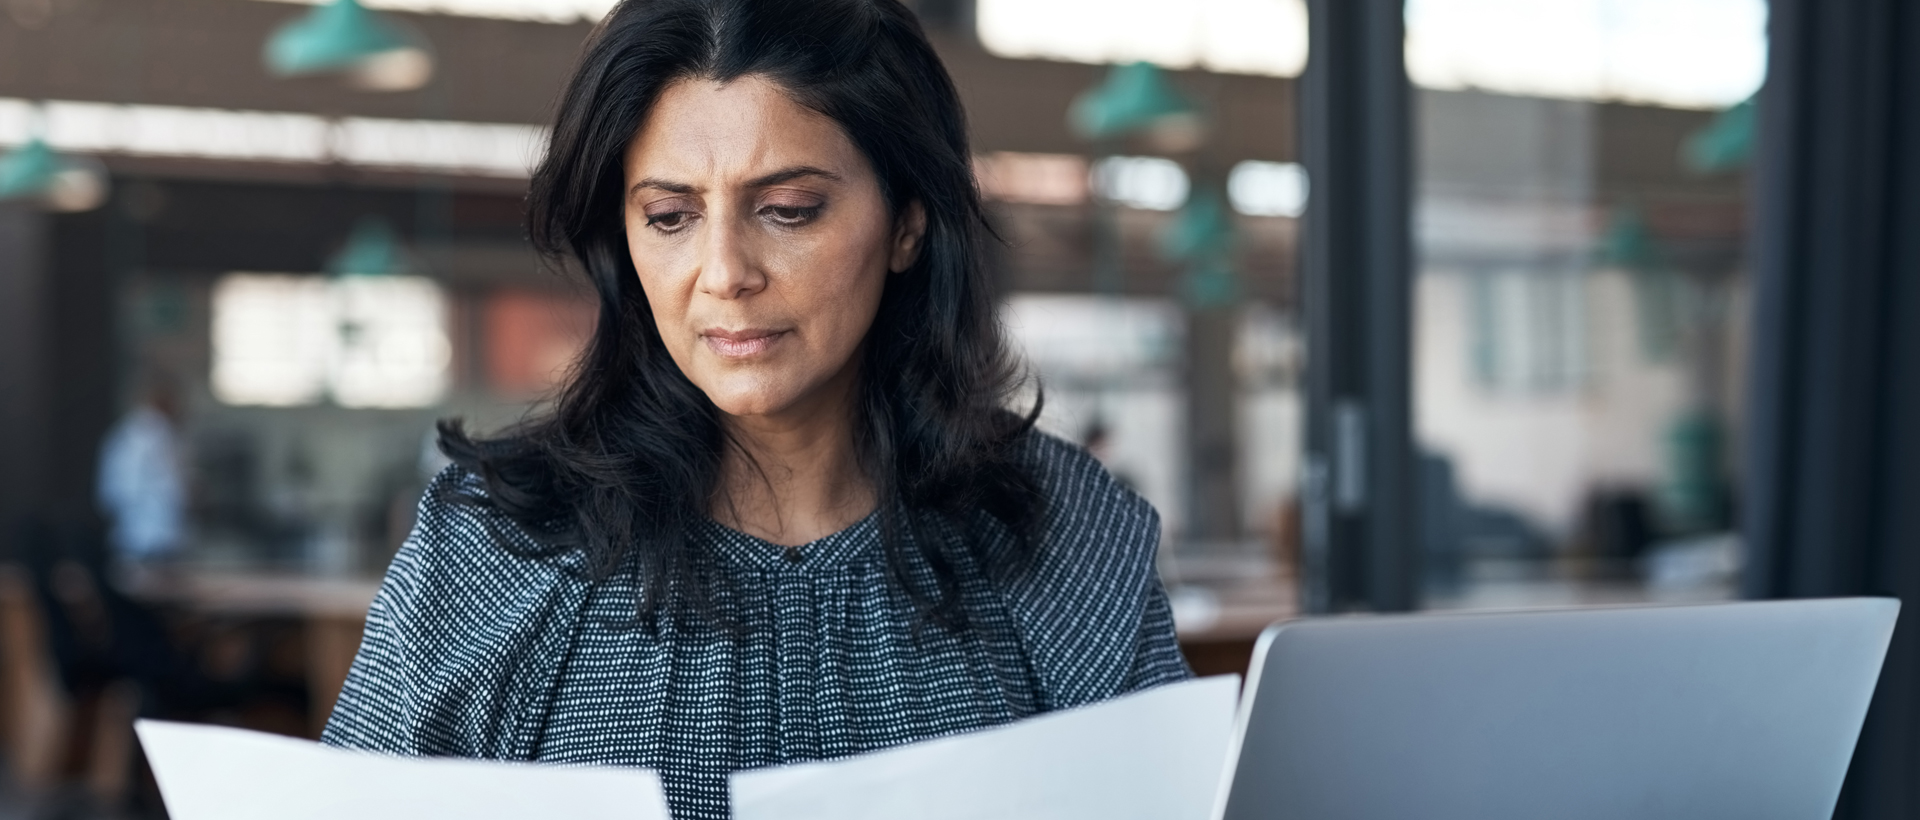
1091 571
470 621
1084 505
468 566
1080 490
460 534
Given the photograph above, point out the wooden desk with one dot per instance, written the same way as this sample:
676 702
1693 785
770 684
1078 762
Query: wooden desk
333 612
1217 632
254 594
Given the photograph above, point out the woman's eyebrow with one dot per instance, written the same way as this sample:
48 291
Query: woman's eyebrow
790 174
775 178
661 184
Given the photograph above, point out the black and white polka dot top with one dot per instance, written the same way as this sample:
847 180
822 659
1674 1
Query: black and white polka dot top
472 651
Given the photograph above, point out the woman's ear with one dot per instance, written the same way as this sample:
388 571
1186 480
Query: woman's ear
911 228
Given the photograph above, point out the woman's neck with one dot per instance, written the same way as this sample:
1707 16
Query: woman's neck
799 478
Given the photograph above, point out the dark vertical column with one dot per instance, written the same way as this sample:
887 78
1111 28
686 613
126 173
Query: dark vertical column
1358 490
23 399
82 357
1833 467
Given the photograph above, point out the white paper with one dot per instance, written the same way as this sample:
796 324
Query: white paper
218 773
1158 754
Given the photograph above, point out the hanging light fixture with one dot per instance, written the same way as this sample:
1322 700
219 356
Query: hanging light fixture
1626 243
28 171
343 37
1201 228
1725 143
58 182
372 249
1201 237
1135 98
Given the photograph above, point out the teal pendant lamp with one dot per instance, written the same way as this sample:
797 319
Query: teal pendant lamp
59 183
1724 144
343 36
29 171
1202 236
1210 284
331 37
1627 243
372 249
1202 228
1134 98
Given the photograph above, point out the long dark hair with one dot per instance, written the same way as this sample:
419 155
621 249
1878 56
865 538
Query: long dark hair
628 460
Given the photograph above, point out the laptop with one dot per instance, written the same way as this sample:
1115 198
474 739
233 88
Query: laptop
1735 710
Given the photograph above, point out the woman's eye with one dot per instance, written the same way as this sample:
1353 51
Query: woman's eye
790 214
667 222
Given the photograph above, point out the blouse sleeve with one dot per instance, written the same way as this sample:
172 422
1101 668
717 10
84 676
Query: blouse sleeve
1096 621
462 640
1157 660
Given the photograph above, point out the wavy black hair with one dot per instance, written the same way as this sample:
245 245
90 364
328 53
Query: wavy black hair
628 459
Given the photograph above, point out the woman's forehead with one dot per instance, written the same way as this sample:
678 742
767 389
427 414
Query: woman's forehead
705 132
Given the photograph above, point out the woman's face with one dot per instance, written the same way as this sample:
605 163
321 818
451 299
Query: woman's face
763 243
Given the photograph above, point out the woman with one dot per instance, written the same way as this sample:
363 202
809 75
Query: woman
781 512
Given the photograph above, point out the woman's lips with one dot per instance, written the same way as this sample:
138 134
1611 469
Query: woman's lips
740 344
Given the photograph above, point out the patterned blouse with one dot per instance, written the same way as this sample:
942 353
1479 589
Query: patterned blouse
471 651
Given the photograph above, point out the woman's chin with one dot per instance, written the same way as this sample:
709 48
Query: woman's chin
801 404
751 401
749 409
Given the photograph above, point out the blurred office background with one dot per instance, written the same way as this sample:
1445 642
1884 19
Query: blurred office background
1450 304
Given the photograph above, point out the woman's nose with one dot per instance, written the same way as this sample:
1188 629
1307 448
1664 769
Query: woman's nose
727 267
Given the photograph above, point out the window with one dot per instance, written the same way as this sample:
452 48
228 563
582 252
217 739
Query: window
1259 188
1239 36
1148 183
271 339
1570 339
283 340
1683 53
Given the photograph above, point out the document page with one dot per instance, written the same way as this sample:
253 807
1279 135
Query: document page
1157 754
218 773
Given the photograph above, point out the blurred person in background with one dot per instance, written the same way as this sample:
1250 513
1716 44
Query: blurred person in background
1098 442
141 479
783 510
